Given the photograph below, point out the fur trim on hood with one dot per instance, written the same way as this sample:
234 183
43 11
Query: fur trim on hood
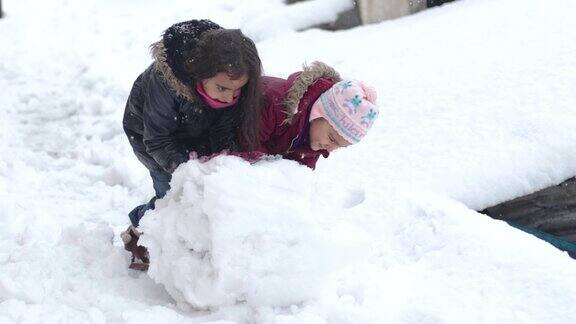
303 81
158 52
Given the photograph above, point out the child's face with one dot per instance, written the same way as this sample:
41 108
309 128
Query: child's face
324 137
223 88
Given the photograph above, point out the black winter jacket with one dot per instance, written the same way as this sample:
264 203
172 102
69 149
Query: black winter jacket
164 118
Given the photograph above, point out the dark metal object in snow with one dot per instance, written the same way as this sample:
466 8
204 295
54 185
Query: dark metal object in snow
1 14
346 20
434 3
551 210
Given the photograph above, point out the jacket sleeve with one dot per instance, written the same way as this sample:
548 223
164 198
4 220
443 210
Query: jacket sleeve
310 161
304 158
268 120
224 133
161 121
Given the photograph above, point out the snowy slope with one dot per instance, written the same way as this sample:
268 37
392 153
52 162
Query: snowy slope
478 107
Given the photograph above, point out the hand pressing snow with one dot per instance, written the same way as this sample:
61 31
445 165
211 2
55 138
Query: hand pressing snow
251 156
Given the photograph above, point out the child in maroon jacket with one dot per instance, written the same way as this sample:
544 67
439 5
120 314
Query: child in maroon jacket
314 112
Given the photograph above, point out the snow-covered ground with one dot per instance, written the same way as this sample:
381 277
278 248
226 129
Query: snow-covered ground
478 106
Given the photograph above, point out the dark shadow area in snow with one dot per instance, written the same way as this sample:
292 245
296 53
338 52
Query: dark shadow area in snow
550 214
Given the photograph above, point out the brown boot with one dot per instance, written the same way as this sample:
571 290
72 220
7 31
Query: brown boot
140 258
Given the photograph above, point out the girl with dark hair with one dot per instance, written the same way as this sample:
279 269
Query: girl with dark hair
200 96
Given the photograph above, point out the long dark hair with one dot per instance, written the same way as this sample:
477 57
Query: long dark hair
231 52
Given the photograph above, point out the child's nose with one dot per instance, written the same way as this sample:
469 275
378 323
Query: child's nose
229 98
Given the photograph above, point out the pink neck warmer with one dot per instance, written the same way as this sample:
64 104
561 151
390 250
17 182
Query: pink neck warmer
213 103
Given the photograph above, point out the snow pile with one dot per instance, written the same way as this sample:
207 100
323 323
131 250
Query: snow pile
282 19
274 235
229 232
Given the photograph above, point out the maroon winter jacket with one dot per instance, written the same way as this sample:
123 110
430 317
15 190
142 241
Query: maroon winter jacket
285 124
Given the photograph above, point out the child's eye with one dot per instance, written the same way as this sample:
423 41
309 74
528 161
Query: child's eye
221 89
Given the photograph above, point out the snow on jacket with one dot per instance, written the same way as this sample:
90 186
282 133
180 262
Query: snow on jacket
164 118
287 110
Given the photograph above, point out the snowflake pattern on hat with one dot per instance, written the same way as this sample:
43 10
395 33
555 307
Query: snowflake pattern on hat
353 104
369 118
343 86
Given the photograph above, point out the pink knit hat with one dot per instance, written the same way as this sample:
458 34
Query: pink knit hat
350 107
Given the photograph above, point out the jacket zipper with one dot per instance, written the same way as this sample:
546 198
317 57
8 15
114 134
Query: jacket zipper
292 143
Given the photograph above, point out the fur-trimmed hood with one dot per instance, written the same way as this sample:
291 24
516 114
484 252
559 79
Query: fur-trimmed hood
301 81
169 54
158 52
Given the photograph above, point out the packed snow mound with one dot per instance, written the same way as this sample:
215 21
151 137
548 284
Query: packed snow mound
276 234
231 232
